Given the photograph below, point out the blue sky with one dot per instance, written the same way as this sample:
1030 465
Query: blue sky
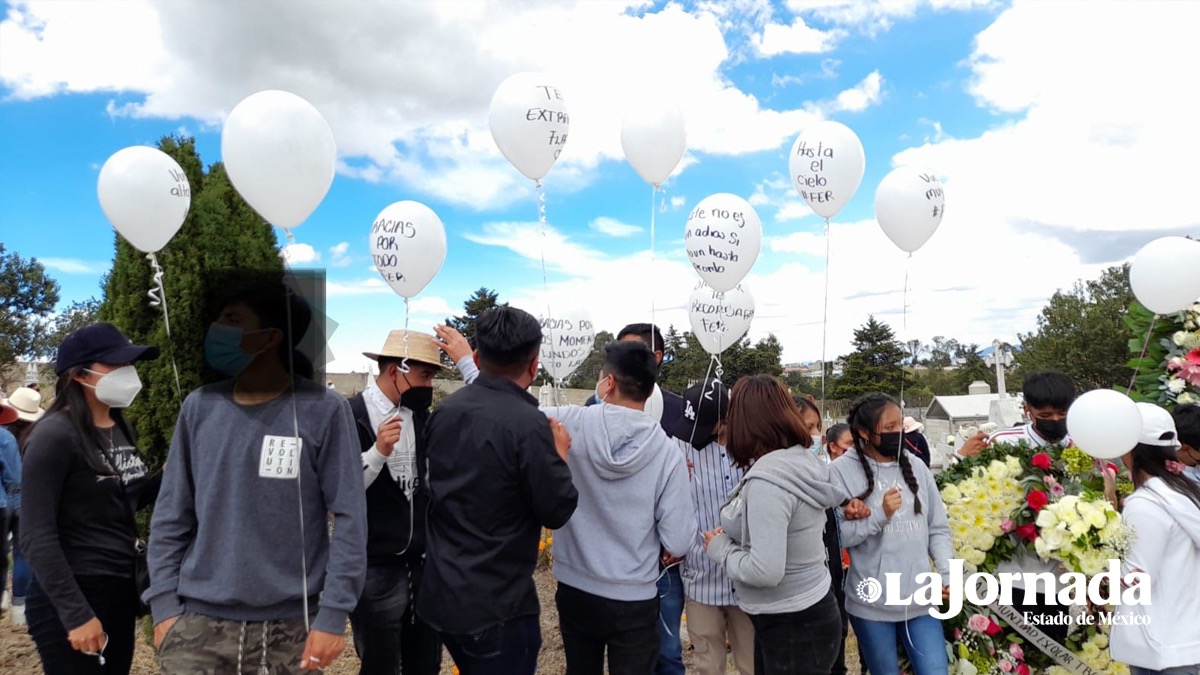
1056 162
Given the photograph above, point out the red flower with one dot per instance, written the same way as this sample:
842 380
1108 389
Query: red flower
1036 500
1022 669
1042 461
1028 531
993 629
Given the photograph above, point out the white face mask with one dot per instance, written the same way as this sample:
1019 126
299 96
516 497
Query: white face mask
118 388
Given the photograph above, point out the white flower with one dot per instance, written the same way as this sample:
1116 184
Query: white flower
1179 338
951 439
1176 386
1185 398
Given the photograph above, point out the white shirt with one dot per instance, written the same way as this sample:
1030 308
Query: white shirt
402 464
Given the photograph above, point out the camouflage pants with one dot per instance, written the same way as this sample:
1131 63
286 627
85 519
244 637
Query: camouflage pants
201 645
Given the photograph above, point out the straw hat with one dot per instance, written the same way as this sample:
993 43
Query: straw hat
28 404
421 347
912 425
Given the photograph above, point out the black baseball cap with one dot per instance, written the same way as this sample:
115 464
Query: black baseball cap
704 405
100 343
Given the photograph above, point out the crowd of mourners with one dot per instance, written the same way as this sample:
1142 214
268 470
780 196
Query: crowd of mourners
286 511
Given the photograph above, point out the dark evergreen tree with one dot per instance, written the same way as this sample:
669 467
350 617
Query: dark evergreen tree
221 234
27 297
875 363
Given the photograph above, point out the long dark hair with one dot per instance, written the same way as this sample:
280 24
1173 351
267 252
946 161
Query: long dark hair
72 403
762 418
864 416
19 430
1151 460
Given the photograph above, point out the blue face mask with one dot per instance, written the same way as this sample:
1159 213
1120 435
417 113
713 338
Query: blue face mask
223 349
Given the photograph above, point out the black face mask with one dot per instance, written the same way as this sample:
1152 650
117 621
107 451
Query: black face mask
1052 431
417 399
889 443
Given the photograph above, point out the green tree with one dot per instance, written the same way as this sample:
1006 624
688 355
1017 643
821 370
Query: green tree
1082 333
586 375
27 297
762 358
479 302
875 363
221 234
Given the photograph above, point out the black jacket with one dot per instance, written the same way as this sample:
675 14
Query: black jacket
495 482
389 513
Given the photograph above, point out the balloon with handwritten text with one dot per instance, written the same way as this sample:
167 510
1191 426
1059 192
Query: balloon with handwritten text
654 139
529 123
720 320
145 195
723 239
909 204
827 164
567 338
280 155
408 246
1165 274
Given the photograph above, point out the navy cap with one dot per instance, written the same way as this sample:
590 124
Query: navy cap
705 405
100 343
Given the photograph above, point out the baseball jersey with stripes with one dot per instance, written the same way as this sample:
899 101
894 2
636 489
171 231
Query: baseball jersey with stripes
713 477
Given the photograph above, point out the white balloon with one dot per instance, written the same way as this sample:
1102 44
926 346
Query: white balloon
567 339
654 140
408 246
145 195
719 322
909 204
1104 423
1165 274
654 405
827 164
529 122
723 239
280 155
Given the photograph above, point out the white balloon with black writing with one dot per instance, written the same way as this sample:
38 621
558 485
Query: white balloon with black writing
719 320
909 204
408 246
529 122
567 339
654 139
1165 274
280 155
145 195
827 164
723 239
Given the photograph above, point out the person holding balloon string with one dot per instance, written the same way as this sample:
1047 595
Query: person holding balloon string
234 582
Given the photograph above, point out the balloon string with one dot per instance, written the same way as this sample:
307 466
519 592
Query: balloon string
653 308
1137 364
404 367
719 370
825 317
158 297
904 324
541 204
696 420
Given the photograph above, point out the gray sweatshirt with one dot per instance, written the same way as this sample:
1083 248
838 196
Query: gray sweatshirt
773 546
225 539
905 544
634 500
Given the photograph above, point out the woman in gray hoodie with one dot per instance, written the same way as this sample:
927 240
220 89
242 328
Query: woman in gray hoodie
771 540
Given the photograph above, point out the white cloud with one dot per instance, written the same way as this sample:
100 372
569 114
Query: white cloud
370 286
798 38
858 98
74 265
432 305
340 255
300 254
427 129
613 227
872 17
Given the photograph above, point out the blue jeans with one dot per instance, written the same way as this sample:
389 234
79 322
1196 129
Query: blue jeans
670 609
923 639
22 575
1177 670
509 648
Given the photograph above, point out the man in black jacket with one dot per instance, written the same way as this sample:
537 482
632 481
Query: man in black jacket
390 417
498 477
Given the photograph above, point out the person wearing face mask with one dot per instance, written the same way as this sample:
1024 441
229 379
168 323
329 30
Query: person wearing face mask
1048 394
903 531
390 418
83 482
245 571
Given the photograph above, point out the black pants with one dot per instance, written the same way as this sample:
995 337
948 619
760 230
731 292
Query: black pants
389 637
115 603
590 623
797 643
508 648
839 663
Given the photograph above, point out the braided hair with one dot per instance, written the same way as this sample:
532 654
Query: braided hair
864 417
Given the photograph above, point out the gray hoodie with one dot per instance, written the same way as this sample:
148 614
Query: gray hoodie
904 544
634 500
774 547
